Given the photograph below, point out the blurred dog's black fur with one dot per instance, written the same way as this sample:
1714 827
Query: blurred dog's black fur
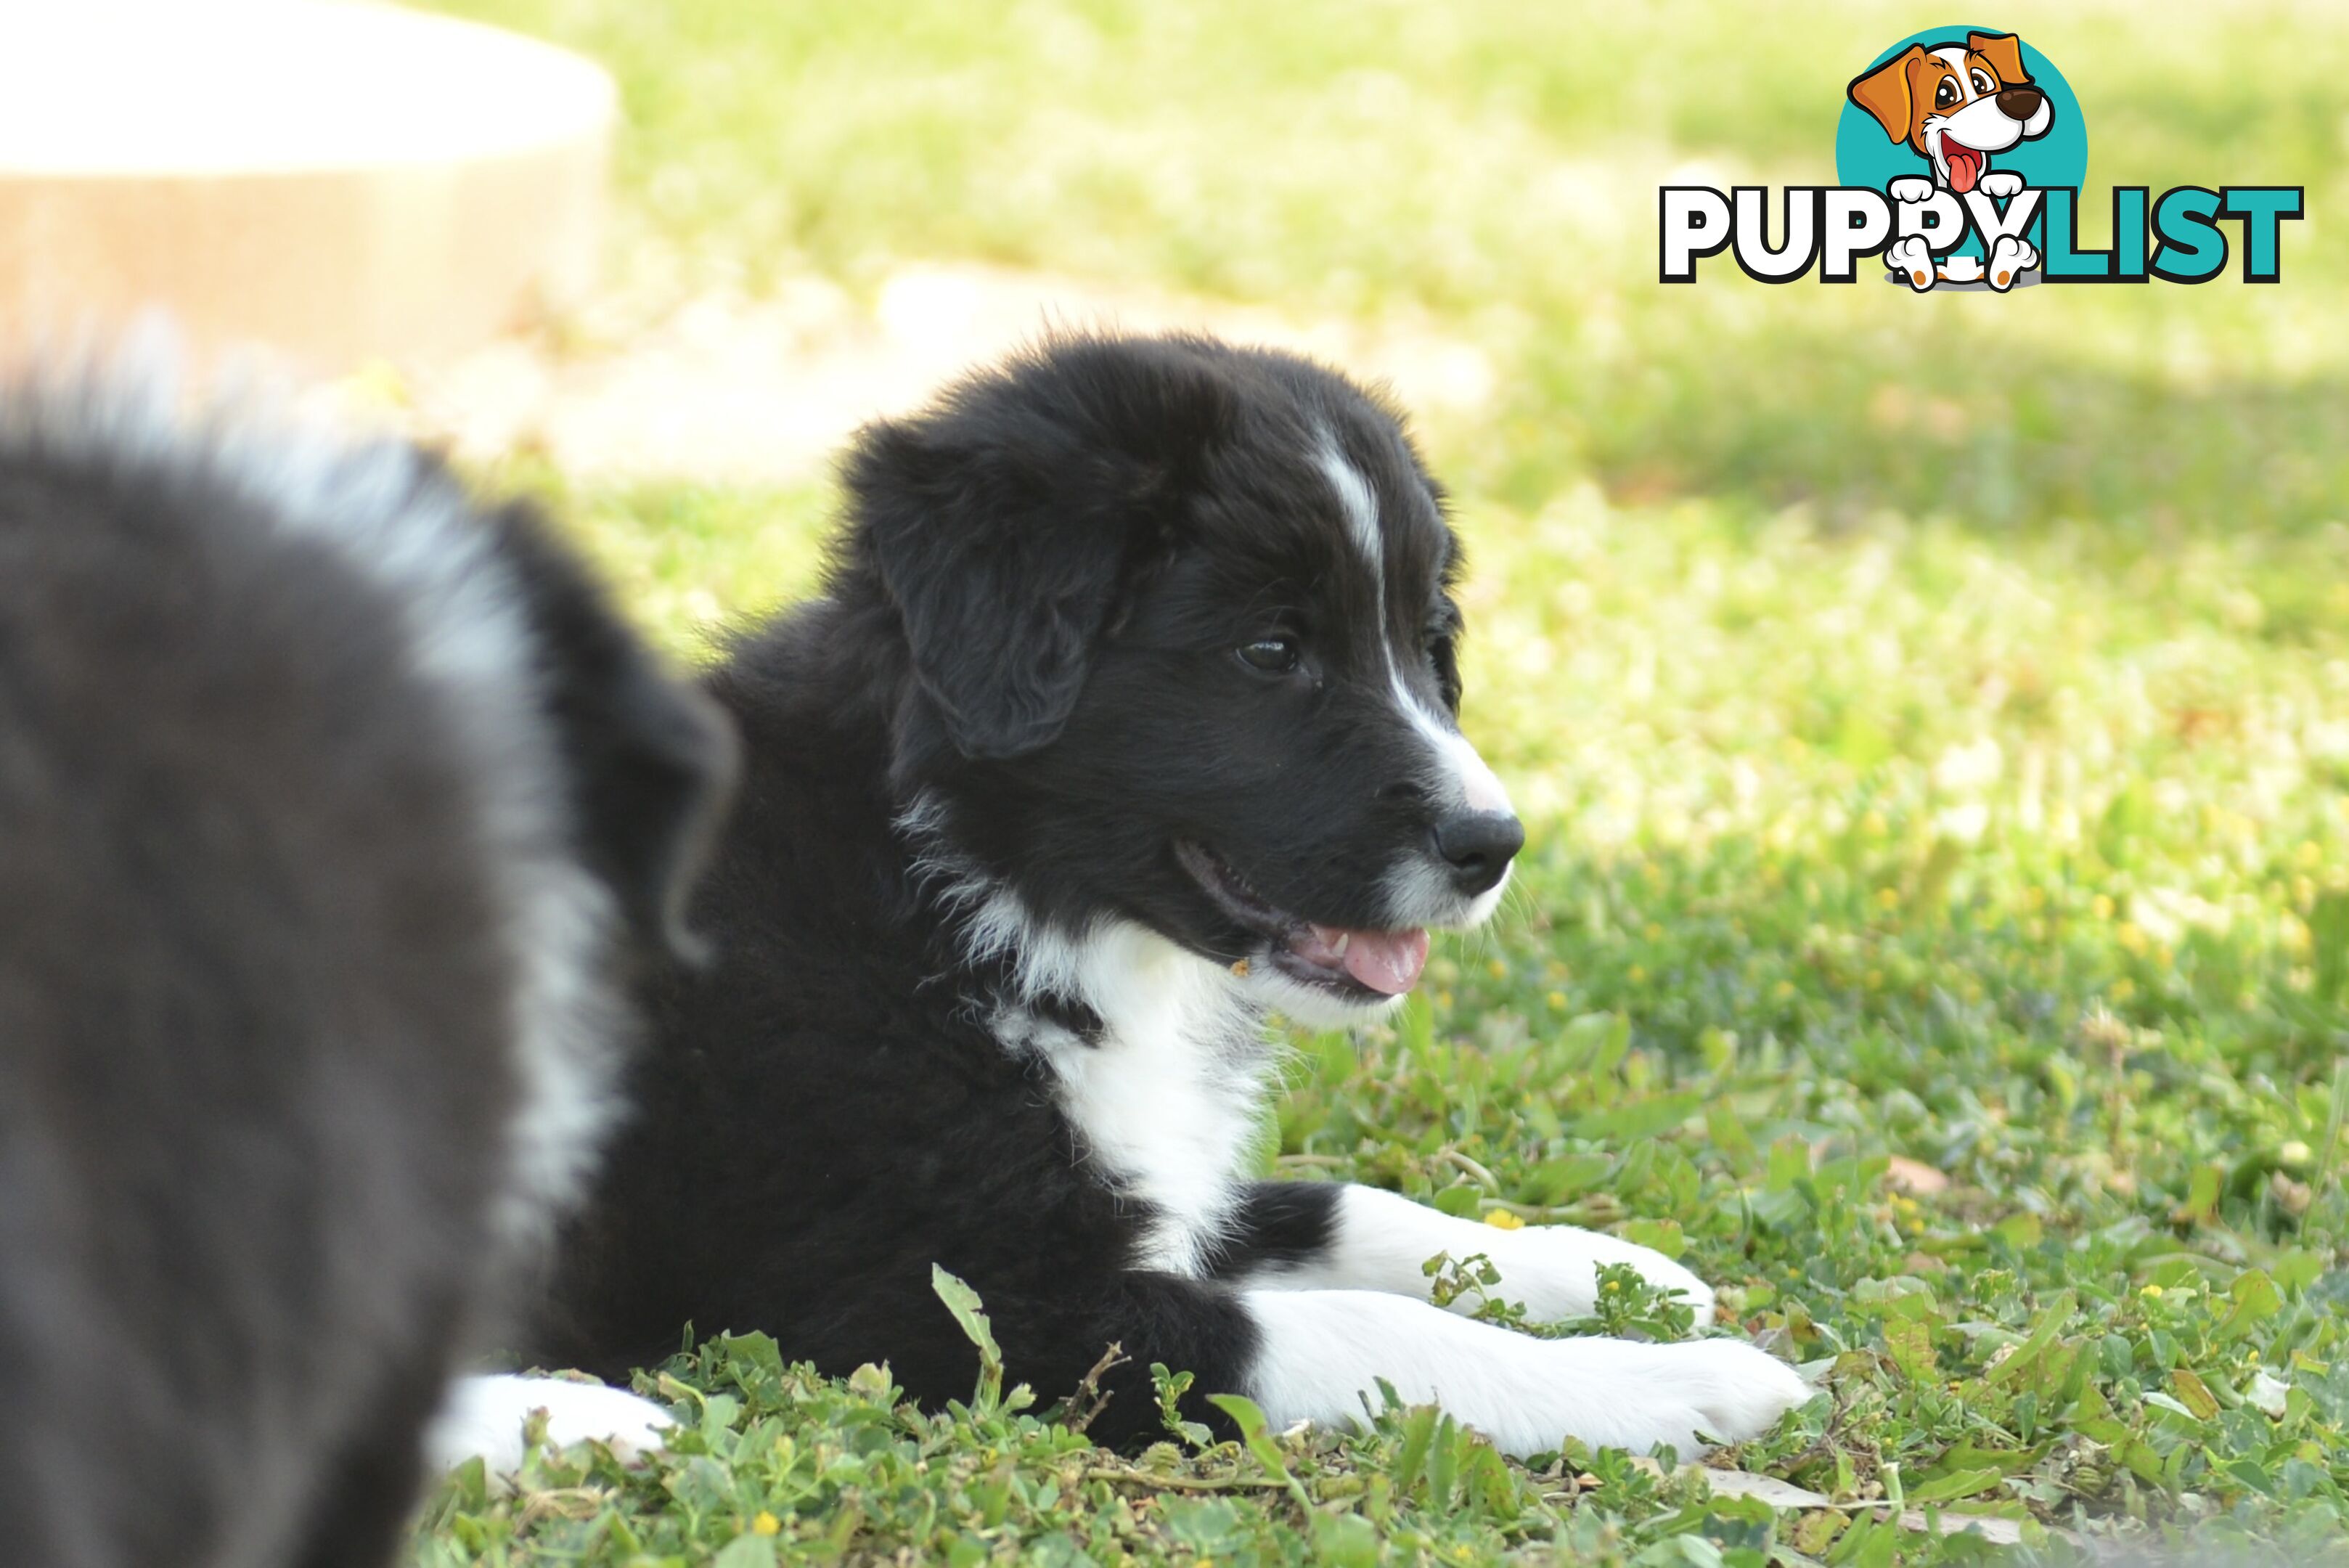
334 815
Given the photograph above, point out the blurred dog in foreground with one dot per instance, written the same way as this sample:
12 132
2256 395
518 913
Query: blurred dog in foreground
335 814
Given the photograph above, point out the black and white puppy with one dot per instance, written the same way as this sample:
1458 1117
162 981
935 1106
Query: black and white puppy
1127 715
334 817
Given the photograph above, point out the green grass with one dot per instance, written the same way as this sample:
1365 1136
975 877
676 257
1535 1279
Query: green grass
1931 717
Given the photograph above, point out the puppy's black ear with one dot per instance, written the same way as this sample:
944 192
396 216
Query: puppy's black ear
651 761
1003 543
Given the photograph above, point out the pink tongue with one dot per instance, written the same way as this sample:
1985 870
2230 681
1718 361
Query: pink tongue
1965 166
1387 961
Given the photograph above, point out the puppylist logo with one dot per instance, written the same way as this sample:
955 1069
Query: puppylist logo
1960 159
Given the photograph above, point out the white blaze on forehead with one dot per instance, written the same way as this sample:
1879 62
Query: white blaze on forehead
1955 58
1362 510
1457 760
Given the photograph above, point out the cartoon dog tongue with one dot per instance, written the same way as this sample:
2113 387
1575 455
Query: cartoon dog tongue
1965 165
1386 962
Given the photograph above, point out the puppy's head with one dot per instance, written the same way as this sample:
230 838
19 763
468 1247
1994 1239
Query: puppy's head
1956 104
1180 647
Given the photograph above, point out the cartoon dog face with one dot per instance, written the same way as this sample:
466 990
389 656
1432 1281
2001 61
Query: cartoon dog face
1956 104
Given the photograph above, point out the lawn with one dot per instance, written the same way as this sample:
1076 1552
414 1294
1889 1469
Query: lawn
1931 719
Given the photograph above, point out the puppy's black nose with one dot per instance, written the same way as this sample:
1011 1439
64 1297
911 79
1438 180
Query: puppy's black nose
1478 845
2020 102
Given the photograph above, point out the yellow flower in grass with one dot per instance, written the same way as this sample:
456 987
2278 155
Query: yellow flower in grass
1502 1219
765 1524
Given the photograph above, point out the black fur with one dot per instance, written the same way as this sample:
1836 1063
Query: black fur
257 997
1030 629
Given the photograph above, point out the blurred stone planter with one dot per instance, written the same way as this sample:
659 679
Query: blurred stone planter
341 181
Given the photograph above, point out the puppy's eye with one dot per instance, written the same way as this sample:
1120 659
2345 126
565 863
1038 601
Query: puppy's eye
1446 658
1270 655
1983 86
1946 94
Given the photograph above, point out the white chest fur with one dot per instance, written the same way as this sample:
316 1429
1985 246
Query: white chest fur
1165 1099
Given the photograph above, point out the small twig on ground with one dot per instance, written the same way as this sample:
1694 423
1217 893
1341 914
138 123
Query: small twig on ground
1090 1399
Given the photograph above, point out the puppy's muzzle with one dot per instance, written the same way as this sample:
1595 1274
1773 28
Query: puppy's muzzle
2020 103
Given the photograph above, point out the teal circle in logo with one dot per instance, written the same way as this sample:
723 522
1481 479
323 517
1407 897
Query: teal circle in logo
1866 155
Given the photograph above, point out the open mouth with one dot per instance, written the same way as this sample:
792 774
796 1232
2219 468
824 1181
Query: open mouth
1362 965
1965 164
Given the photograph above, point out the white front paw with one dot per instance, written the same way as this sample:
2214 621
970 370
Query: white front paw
1912 260
1627 1394
2010 258
1707 1391
1553 1270
484 1417
1909 189
2000 184
1323 1355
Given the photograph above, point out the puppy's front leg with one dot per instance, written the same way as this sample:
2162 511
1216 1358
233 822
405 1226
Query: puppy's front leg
485 1415
1297 1235
1319 1354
